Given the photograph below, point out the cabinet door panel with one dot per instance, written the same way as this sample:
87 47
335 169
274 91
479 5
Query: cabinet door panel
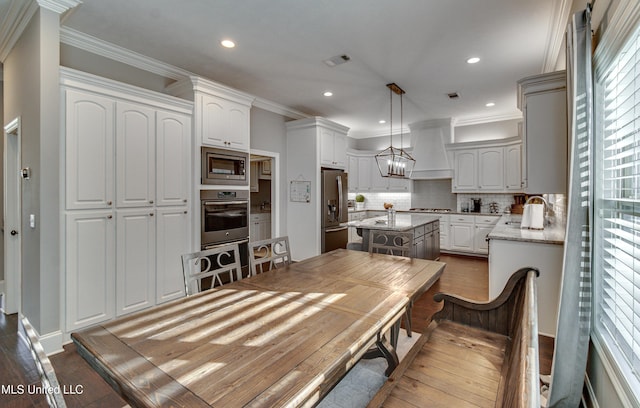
238 127
89 152
173 133
465 177
135 158
136 260
90 268
481 244
172 240
214 123
461 237
364 173
513 168
491 169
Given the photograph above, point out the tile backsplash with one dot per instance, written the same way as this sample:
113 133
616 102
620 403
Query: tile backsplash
375 201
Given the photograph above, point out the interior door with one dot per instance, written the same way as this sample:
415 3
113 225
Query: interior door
11 228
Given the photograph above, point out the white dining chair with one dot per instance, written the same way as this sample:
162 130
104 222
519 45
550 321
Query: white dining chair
269 254
211 268
391 242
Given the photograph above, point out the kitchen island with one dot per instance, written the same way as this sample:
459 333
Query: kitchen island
425 228
511 248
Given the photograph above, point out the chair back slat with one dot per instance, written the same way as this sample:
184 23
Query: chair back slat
211 268
269 254
391 243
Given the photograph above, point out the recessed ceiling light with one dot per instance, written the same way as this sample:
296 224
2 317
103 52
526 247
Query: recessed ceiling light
490 104
328 93
382 121
473 60
227 43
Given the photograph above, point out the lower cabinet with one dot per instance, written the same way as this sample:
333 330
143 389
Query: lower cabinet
468 233
172 240
91 271
123 261
260 227
135 260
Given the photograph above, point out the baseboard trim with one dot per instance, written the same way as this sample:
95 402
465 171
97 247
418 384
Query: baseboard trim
50 342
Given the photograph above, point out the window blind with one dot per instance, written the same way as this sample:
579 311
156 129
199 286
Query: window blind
617 205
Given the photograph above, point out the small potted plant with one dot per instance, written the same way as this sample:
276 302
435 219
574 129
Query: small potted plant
359 202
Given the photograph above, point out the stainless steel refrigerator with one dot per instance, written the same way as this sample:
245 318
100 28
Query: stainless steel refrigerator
334 210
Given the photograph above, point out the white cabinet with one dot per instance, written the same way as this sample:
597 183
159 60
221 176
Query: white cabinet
491 169
444 230
356 216
461 233
135 260
486 167
130 151
465 170
260 227
90 268
333 149
386 184
543 101
468 233
512 167
172 240
135 155
222 122
89 150
173 144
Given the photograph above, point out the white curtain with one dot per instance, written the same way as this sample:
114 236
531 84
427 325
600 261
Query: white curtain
574 318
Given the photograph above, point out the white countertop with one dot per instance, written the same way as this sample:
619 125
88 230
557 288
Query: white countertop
405 221
504 230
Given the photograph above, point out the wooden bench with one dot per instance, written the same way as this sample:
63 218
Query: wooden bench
473 354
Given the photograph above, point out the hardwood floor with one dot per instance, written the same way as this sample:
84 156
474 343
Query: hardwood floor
464 276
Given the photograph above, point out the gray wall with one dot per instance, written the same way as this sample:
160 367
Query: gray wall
268 133
31 90
81 60
486 131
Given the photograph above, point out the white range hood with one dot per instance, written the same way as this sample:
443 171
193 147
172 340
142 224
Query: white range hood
428 139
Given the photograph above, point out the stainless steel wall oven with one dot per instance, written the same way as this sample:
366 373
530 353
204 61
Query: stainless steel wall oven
225 220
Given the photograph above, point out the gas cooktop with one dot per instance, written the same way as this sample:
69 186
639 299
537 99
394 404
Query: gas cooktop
444 210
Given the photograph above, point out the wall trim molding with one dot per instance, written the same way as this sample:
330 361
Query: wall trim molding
19 14
557 29
622 390
592 401
59 6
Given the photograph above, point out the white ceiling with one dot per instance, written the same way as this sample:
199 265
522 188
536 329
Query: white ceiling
421 45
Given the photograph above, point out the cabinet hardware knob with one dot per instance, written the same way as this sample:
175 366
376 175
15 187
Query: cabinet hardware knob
14 232
185 200
109 203
150 214
185 212
150 201
109 217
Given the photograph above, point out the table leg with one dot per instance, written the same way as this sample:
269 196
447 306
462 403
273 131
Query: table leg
386 349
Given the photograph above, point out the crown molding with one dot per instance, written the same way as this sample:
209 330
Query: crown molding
18 15
555 38
94 45
279 109
488 119
59 6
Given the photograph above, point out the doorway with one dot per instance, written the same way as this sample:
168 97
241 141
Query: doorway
12 216
264 197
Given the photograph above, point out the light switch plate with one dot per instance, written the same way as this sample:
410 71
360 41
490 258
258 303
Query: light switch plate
32 220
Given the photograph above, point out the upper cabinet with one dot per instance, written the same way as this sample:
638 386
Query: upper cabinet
543 101
89 149
221 114
333 148
223 123
364 175
486 167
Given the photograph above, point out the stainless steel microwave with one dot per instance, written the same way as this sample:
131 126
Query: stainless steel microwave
224 167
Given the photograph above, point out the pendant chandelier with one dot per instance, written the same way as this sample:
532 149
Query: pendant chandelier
392 161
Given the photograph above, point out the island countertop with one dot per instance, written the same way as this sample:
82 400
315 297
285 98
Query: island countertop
403 222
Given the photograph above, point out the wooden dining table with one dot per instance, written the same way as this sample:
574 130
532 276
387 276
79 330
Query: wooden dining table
281 338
